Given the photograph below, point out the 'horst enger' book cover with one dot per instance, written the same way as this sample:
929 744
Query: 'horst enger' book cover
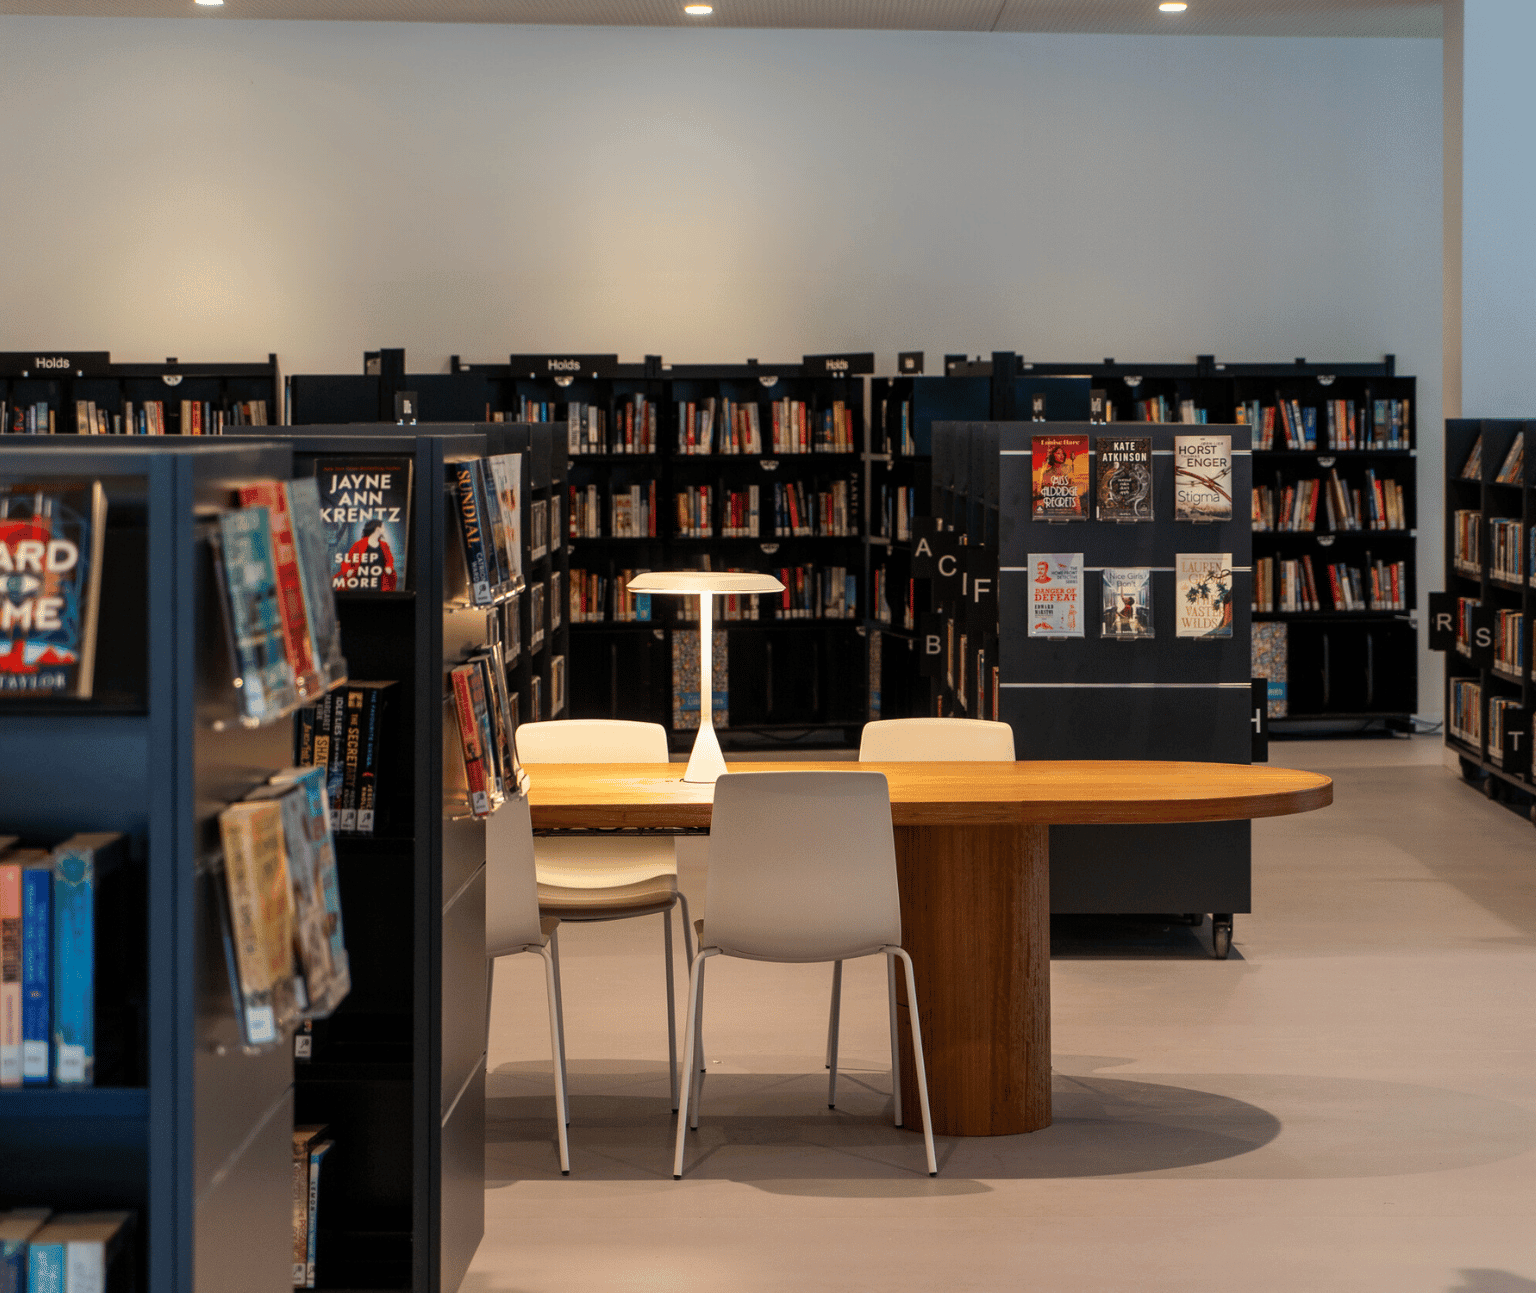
1202 478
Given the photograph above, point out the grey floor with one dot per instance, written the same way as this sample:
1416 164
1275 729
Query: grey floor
1349 1103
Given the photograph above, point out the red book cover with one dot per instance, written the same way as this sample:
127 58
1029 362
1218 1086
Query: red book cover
1381 503
1060 478
1397 590
10 974
1313 490
1338 592
469 741
290 588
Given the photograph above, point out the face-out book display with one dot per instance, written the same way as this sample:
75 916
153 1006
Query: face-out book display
365 507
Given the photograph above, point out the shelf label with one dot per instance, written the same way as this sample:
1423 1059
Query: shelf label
1442 622
55 363
542 366
909 363
1517 742
838 365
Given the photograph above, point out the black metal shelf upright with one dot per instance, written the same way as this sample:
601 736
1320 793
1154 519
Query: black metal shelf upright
194 1133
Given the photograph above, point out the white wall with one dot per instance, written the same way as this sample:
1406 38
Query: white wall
219 189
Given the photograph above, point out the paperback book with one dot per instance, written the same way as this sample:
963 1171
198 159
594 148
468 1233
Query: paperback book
1056 595
263 672
292 608
260 908
1203 592
365 507
303 498
1060 478
1202 478
1125 479
1126 602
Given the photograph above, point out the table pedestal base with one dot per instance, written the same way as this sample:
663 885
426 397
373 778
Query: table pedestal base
976 918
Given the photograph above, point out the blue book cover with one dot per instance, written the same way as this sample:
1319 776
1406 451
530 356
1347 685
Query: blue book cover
45 1268
263 671
471 528
36 942
316 1154
75 873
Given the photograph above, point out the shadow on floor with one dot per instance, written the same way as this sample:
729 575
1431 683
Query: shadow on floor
1082 938
1490 1281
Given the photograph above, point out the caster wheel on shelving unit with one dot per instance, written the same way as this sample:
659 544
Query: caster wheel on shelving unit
1221 936
1473 775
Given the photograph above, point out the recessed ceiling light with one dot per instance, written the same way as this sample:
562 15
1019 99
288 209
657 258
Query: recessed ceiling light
698 10
210 3
1173 6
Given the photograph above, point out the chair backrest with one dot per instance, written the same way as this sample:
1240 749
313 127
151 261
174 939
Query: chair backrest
934 740
591 740
802 866
511 883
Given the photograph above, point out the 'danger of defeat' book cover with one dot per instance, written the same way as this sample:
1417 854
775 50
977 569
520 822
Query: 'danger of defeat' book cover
1056 595
1059 480
365 505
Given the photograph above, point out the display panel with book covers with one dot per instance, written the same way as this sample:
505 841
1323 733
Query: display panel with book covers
365 506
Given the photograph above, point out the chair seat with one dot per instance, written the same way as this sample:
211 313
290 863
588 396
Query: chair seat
642 897
594 862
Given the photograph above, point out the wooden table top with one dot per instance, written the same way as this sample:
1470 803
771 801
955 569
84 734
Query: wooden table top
606 795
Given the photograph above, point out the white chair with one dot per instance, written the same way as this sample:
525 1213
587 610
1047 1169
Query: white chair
915 740
513 924
590 878
802 867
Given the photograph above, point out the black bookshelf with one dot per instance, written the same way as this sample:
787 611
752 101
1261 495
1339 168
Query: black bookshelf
62 380
1092 697
1487 608
196 1136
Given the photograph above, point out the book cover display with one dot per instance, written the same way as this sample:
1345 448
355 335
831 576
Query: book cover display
1202 478
1126 596
365 507
261 918
1203 594
685 679
1056 594
303 498
1125 479
479 549
507 476
50 582
1271 651
263 672
1059 485
291 604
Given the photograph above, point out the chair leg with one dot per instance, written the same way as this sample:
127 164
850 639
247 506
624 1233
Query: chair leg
690 1044
557 1049
697 1076
554 957
666 927
917 1055
833 1023
682 901
890 979
837 988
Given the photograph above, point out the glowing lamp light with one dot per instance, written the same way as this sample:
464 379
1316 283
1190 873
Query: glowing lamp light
698 10
1173 6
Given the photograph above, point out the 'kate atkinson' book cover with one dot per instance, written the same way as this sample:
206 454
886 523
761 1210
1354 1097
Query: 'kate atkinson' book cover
1125 479
1202 478
50 582
1127 602
365 506
1203 594
1059 483
1056 595
263 672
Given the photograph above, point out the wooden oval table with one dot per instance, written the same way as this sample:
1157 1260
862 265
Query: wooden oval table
972 859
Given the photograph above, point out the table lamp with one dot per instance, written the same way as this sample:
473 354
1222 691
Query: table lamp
706 763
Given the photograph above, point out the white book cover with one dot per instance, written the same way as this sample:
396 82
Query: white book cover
1056 595
1202 478
1203 594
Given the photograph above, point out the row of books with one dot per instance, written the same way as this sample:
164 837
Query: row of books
1379 506
1506 552
345 735
631 512
486 497
1466 541
894 433
53 949
1511 470
885 612
1282 585
590 593
195 417
42 1251
829 510
486 721
282 907
1503 712
1159 408
36 418
817 592
1381 424
1509 641
1466 720
718 425
1465 608
898 508
310 1147
631 428
739 514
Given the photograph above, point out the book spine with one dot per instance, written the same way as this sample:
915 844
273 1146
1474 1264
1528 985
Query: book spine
85 1267
36 941
74 968
290 587
45 1268
471 530
335 762
352 740
300 1213
474 757
368 765
10 974
316 1156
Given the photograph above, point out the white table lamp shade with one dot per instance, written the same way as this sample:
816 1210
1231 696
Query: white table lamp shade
706 763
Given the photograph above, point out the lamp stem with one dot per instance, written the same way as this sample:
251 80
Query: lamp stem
706 763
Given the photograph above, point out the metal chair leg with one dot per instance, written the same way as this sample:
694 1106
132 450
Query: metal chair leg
688 950
690 1042
557 1049
666 928
698 1043
554 958
890 980
833 1023
917 1055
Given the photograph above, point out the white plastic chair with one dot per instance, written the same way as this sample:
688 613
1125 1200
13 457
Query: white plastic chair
590 878
925 740
513 924
802 867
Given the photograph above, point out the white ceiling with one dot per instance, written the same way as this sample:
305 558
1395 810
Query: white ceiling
1132 17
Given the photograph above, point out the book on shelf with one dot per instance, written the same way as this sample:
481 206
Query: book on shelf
1512 470
1506 550
473 742
10 974
16 1228
1055 595
632 512
897 510
503 479
317 1153
1501 710
51 538
343 735
1203 594
263 672
1284 585
88 872
365 506
686 687
719 425
536 712
1125 479
312 855
33 419
695 512
1059 478
589 429
814 592
536 616
292 605
740 517
1202 478
1472 468
538 528
78 1252
556 599
556 686
896 437
479 551
304 1138
1467 530
261 919
1509 641
1466 722
1126 603
303 502
1271 661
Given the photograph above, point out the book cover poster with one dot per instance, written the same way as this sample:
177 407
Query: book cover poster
1126 596
1203 592
1271 651
263 671
50 578
1056 595
365 505
1059 484
685 679
1125 479
507 473
1202 478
